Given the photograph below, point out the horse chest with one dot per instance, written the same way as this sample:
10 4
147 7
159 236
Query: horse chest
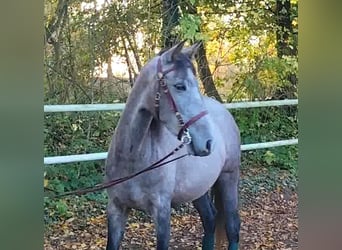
194 177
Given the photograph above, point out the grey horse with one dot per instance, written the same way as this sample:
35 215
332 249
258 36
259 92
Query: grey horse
165 106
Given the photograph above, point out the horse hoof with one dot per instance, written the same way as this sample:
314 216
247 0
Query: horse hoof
233 246
208 242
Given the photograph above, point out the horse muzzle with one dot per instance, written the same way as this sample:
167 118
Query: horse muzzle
196 150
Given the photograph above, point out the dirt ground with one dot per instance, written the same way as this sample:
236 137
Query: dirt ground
269 220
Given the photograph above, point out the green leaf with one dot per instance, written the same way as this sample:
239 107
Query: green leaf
269 157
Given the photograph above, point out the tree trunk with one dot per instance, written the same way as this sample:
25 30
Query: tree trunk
53 33
133 46
110 75
131 71
203 65
205 74
284 48
170 20
284 28
53 29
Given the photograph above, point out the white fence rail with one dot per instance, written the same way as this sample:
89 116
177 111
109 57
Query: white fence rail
120 106
102 156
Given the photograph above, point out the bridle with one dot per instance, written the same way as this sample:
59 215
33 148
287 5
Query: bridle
183 134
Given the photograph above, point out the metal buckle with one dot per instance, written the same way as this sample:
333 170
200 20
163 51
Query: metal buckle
160 75
156 100
163 83
186 137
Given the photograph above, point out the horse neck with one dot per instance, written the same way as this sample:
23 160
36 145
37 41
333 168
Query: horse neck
133 133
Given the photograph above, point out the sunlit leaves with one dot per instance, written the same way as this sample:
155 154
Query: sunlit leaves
269 157
189 25
245 36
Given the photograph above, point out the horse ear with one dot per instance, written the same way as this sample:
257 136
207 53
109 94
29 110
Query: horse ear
192 50
171 54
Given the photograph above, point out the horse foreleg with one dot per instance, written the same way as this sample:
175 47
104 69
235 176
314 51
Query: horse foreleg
161 214
228 189
207 212
116 220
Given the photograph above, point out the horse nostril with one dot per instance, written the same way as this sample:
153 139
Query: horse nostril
209 145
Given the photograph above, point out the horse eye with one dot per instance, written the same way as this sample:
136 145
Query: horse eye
180 86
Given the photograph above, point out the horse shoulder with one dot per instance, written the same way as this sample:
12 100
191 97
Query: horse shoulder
222 117
228 130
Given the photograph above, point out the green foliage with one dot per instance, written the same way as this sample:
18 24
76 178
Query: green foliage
269 157
75 133
269 124
243 49
69 207
189 27
78 132
62 208
264 79
71 177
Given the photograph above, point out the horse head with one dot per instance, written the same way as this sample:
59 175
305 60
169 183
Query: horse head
180 104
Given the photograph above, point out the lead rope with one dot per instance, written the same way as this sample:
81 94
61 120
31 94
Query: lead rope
111 183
